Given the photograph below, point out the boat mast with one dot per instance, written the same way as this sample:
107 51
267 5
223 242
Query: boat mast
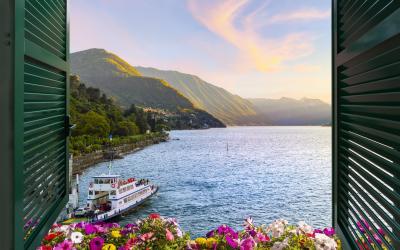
112 156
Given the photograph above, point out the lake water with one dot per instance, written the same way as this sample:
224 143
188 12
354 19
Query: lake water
221 176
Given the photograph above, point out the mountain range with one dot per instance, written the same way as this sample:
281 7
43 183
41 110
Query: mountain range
176 91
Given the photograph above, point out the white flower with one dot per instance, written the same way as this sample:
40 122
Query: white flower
64 229
280 245
305 228
277 227
76 237
179 232
323 242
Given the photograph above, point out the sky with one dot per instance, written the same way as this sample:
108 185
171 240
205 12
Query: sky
252 48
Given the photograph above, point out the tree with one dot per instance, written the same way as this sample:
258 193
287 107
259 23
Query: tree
141 121
126 128
92 123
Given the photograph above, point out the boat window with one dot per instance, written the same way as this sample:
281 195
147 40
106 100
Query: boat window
100 181
90 192
96 181
113 192
96 192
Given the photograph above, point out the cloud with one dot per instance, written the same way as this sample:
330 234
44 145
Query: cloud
300 15
228 19
306 68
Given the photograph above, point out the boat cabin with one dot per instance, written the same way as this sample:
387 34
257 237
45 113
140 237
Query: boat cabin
107 192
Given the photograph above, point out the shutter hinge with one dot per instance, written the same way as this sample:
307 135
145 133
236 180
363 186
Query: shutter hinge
68 125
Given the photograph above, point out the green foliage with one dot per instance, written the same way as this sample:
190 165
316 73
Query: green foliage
92 123
96 117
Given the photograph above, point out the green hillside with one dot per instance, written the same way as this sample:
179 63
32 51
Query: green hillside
229 108
101 69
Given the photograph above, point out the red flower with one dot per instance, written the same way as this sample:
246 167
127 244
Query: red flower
44 248
154 216
50 236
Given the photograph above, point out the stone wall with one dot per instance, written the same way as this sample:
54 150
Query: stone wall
82 162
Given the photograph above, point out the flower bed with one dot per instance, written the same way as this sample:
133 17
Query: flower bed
156 232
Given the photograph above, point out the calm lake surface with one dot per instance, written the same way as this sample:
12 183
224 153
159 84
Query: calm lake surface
221 176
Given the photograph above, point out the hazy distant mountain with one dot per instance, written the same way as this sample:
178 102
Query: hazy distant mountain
288 111
115 77
229 108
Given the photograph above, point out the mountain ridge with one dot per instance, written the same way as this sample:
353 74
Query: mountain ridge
230 108
117 78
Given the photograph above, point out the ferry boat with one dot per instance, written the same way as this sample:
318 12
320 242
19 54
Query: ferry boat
110 196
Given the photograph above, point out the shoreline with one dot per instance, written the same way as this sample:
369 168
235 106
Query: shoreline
82 162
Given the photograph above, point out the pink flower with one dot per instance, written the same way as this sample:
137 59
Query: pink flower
247 244
262 237
381 232
90 229
147 236
329 231
96 243
231 242
65 245
169 235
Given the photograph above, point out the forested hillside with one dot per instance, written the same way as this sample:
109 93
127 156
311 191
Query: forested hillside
97 116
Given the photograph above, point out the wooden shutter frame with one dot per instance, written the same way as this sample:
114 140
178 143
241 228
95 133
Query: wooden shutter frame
382 111
14 51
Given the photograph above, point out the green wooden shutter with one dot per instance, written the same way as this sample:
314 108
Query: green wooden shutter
366 131
40 112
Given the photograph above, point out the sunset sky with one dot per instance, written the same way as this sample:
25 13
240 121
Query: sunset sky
253 48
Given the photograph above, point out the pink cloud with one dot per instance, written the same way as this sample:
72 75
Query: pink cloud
300 15
263 54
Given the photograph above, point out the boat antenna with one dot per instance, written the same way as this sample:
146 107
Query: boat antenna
112 155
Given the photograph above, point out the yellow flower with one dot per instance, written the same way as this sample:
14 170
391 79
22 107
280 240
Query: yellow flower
109 247
210 242
201 241
116 234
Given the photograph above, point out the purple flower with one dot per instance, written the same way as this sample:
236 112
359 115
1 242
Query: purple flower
318 231
96 243
100 229
225 230
90 229
210 234
329 231
80 225
381 232
232 243
247 244
65 245
252 233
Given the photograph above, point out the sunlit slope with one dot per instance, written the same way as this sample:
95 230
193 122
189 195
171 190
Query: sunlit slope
102 69
229 108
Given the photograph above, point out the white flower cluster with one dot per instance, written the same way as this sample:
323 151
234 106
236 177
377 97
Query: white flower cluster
277 228
323 242
304 228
